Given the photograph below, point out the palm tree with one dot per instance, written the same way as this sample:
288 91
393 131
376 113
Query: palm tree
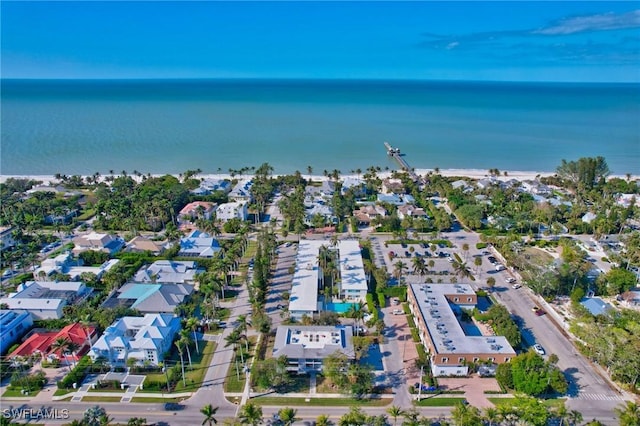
399 268
192 325
288 416
395 412
72 348
209 412
574 417
491 415
137 421
61 345
629 414
461 269
250 414
243 324
179 344
95 416
323 420
419 266
186 342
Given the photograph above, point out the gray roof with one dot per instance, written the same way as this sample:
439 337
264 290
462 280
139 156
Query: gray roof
443 326
167 271
313 341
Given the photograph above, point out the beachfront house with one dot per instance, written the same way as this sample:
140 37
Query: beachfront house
211 185
145 339
306 347
242 191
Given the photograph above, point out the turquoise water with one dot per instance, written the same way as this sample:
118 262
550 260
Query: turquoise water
340 308
157 126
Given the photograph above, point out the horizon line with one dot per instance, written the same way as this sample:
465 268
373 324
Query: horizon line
322 79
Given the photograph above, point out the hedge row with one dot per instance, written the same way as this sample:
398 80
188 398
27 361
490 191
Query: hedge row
76 375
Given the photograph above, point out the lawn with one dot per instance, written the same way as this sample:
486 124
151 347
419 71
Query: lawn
551 403
321 402
200 363
60 392
235 375
439 402
12 393
101 399
194 375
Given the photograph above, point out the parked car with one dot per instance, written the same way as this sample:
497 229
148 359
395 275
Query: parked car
511 280
516 286
8 273
500 267
398 312
539 349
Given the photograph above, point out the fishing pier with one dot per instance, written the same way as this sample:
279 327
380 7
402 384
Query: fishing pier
395 153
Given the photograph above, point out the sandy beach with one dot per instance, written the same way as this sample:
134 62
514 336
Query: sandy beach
475 174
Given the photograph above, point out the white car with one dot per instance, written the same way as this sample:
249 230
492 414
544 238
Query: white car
516 286
539 349
398 312
511 280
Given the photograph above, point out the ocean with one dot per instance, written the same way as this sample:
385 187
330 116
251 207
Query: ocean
169 126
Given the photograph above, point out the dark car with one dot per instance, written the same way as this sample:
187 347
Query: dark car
407 254
173 406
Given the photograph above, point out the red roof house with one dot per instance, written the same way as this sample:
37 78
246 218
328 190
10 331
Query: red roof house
40 343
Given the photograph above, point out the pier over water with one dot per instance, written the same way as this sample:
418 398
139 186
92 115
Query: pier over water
395 153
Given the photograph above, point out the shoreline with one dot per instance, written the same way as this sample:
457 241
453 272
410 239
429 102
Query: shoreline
462 173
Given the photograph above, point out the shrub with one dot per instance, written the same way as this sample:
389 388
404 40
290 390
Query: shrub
381 300
77 374
481 246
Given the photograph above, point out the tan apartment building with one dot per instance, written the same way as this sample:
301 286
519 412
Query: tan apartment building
436 308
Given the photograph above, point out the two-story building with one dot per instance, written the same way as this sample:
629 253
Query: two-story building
436 308
45 299
145 339
306 347
13 325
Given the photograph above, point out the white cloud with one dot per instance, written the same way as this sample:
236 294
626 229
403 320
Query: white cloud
601 22
452 45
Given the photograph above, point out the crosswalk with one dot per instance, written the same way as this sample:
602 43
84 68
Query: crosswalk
599 397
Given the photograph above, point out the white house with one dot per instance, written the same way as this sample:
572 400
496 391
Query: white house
145 339
100 242
209 185
64 264
227 211
45 300
198 244
242 191
168 271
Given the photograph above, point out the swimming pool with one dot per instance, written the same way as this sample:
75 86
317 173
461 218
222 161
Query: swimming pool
340 308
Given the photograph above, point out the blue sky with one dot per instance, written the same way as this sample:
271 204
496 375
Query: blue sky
521 41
